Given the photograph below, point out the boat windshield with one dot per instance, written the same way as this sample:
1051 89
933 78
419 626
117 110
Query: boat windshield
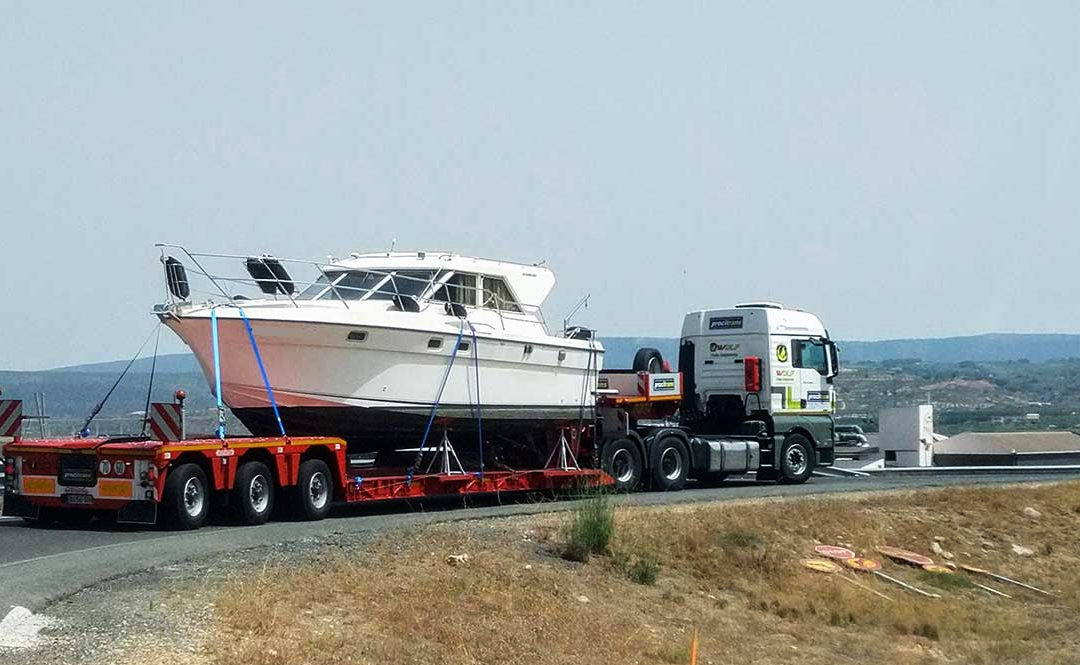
358 284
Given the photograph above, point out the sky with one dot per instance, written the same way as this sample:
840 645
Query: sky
900 169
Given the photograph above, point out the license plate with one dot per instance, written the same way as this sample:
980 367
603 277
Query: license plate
76 499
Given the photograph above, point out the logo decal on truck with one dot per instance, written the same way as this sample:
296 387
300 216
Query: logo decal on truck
667 383
781 353
725 322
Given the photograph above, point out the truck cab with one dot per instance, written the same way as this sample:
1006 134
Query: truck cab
761 365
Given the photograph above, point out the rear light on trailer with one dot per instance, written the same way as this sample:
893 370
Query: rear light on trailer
752 373
11 484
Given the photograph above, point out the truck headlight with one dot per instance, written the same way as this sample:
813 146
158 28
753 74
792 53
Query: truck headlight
103 467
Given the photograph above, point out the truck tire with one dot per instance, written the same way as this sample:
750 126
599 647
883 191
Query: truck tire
670 464
621 460
796 460
314 491
648 360
253 493
186 499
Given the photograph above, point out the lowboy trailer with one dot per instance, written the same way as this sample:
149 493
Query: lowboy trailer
753 395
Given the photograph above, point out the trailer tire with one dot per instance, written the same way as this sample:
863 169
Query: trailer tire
796 460
314 491
186 498
648 360
253 493
670 464
621 460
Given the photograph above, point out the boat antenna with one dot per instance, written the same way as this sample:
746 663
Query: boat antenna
393 244
583 303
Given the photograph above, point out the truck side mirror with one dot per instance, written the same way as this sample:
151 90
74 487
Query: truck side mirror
834 360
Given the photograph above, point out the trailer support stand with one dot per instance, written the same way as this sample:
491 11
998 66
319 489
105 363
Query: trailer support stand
445 454
567 461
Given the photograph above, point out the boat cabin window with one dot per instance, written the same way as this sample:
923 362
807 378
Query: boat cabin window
459 289
406 283
314 289
497 295
354 285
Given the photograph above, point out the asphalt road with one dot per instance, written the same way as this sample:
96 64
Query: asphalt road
38 566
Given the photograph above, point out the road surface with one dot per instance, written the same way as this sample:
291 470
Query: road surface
38 566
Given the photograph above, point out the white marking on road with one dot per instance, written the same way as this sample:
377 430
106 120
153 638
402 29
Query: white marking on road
98 548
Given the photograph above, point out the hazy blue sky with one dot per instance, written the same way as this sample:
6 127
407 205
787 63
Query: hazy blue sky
902 172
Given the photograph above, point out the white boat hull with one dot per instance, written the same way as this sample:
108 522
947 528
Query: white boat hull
376 385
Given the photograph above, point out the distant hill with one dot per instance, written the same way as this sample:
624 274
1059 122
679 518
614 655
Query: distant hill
71 392
992 347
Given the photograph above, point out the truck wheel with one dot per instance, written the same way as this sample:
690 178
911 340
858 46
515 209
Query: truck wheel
314 490
648 360
253 493
670 464
622 461
796 460
186 499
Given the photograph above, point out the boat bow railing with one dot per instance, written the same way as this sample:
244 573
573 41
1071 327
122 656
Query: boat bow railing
283 285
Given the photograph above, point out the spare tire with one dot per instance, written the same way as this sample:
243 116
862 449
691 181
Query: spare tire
648 360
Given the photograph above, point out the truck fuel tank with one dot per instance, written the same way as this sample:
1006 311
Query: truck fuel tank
726 455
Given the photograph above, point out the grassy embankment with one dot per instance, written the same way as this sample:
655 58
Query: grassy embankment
731 571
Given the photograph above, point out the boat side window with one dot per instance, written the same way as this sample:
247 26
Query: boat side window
459 289
808 354
354 285
497 295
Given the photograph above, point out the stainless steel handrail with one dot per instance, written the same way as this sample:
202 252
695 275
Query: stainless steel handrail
327 271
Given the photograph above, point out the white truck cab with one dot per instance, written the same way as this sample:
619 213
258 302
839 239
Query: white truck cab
796 357
760 363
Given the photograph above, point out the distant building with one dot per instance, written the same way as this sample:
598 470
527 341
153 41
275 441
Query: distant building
1008 449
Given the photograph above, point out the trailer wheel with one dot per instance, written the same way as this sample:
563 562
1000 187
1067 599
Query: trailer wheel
186 499
622 461
314 490
670 464
796 460
648 360
253 493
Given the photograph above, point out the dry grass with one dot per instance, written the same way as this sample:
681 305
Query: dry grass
729 570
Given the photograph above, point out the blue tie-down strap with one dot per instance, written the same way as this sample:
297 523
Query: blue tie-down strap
217 372
262 370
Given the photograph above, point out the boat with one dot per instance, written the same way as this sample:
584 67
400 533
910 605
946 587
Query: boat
386 350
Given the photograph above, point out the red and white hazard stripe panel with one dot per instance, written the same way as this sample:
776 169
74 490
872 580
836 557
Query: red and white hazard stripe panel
165 421
10 417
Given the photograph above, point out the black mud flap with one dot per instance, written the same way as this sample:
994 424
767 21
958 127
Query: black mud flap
137 512
16 505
